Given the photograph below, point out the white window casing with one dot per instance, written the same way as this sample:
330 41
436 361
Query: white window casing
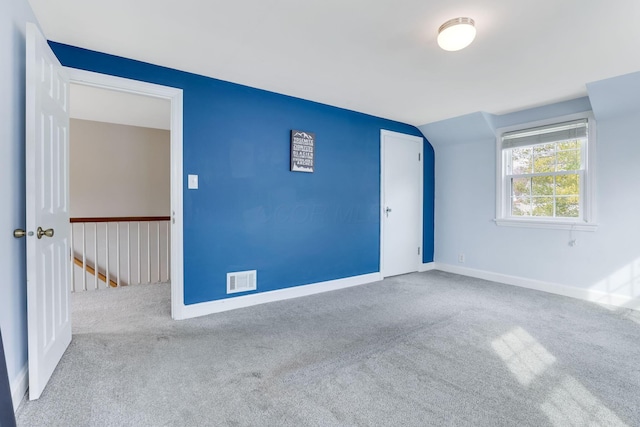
545 141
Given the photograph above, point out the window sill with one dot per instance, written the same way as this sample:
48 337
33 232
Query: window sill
541 223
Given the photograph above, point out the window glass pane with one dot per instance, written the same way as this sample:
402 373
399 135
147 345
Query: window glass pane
544 158
521 206
544 150
521 160
568 185
569 160
573 144
544 164
542 206
520 187
568 206
542 186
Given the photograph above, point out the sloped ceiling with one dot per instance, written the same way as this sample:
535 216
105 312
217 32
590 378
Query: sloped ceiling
378 57
615 96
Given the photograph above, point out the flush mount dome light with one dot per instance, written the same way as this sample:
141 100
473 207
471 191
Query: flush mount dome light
456 34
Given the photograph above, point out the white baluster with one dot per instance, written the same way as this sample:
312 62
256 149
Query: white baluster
128 253
118 254
108 275
84 258
168 255
139 278
148 252
158 248
95 254
73 262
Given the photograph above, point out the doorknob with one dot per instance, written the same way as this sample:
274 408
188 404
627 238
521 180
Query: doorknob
18 233
387 211
40 232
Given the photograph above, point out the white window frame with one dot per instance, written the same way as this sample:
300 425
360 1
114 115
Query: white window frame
587 222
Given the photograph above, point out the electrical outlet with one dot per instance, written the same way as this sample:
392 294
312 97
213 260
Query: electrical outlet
461 258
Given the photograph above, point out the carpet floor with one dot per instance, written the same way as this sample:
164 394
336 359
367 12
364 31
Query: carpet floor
415 350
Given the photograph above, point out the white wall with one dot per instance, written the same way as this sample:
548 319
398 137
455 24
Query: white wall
603 266
118 170
13 299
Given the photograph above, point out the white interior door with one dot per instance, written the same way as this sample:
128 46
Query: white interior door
47 183
401 197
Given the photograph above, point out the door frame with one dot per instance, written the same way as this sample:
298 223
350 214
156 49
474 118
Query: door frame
384 134
175 96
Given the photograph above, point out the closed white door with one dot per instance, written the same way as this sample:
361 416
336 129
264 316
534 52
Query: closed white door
401 203
47 218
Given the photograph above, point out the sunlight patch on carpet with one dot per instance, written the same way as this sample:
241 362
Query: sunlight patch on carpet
525 357
571 404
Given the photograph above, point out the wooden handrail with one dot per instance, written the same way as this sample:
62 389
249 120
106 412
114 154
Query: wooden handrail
121 219
77 261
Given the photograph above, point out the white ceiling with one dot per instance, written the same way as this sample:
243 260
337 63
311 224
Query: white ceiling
375 56
101 105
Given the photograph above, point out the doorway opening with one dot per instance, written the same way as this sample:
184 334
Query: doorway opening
126 218
119 190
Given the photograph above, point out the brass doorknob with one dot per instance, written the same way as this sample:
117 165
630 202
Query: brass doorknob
40 232
18 233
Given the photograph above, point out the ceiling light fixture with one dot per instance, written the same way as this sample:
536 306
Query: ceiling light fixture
456 34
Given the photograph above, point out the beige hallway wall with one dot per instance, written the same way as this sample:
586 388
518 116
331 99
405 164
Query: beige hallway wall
118 170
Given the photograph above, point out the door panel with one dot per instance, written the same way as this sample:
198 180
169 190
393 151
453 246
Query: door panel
47 176
402 203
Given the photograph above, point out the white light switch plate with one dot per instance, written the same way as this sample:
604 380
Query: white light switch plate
193 182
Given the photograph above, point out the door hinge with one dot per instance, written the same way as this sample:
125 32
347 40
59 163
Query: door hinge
418 251
418 156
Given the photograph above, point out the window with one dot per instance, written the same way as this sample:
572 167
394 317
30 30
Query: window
545 175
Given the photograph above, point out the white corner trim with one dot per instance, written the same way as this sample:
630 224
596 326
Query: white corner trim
550 287
19 386
427 266
218 306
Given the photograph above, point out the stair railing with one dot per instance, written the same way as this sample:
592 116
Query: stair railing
112 248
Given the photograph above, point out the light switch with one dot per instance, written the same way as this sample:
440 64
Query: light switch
193 182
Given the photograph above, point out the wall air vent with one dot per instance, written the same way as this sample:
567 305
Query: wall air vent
242 281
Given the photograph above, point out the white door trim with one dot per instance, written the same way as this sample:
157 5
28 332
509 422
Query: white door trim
383 135
174 95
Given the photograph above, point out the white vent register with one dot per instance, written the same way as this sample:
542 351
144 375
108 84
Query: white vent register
242 281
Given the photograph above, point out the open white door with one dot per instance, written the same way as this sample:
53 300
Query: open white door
401 197
47 183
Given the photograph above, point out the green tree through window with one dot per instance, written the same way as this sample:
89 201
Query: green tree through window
546 180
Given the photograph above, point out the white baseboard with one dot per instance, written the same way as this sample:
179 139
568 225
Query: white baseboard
210 307
19 386
539 285
427 266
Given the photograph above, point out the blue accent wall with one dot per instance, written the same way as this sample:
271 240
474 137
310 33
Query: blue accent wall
251 212
428 197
